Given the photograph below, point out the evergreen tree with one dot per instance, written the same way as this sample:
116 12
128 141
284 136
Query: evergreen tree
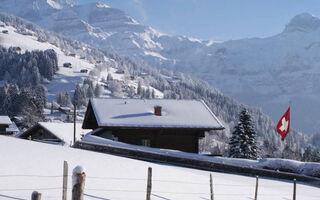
98 90
242 143
153 94
139 89
109 77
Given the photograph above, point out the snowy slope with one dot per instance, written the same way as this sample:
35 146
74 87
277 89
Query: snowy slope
66 79
116 178
266 72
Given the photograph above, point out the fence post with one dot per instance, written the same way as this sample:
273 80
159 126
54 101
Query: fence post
36 196
78 182
294 189
65 180
211 188
256 192
149 183
74 123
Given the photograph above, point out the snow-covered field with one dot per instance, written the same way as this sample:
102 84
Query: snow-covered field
27 166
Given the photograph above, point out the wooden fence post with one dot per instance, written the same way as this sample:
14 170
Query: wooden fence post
78 182
256 191
149 183
65 180
36 196
294 189
211 188
74 123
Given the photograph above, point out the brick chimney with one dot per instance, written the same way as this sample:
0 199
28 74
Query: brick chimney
157 110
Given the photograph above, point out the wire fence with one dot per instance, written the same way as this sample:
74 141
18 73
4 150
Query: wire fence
247 190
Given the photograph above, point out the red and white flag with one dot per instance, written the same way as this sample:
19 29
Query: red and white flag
283 126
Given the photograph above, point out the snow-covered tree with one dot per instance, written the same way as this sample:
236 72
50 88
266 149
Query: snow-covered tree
109 77
243 140
98 90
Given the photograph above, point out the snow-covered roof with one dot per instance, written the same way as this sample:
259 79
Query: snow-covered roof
5 120
12 128
140 113
63 131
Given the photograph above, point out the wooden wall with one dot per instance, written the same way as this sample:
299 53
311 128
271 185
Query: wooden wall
176 139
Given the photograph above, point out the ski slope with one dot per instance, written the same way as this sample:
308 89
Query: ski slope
28 166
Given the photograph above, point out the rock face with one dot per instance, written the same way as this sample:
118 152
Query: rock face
267 73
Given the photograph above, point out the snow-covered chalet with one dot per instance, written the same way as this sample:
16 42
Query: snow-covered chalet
53 133
159 123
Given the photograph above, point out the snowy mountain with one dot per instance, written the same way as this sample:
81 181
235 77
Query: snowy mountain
165 84
263 72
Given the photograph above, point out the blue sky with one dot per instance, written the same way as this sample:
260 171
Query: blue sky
215 19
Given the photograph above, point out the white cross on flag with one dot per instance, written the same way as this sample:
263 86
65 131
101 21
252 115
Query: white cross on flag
283 126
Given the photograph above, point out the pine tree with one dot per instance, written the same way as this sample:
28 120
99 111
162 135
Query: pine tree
153 94
139 89
98 90
242 143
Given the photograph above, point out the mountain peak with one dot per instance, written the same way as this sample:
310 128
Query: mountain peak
59 4
102 5
303 22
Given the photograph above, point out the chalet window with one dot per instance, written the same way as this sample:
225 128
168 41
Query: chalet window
146 142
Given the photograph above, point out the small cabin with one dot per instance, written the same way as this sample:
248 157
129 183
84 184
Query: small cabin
67 65
120 71
158 123
7 127
5 31
17 49
65 110
83 71
53 133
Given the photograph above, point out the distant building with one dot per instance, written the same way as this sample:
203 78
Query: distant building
120 71
5 31
7 127
17 49
84 71
53 133
67 65
159 123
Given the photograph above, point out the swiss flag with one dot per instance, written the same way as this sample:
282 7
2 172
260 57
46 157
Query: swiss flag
283 125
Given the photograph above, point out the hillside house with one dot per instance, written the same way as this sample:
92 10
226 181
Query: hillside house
7 127
17 49
159 123
67 65
83 71
53 133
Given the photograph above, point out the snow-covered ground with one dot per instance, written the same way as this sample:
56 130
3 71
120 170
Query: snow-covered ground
286 165
28 166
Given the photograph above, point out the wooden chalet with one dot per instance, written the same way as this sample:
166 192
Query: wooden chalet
159 123
53 133
7 127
